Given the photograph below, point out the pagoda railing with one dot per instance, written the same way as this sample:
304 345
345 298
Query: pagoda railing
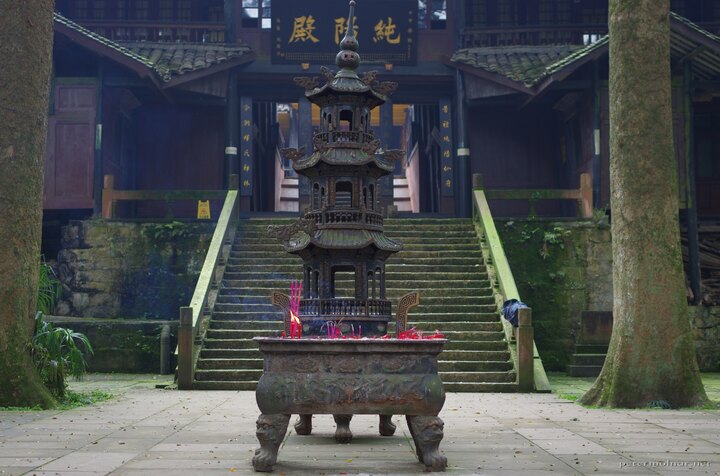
344 139
345 307
362 219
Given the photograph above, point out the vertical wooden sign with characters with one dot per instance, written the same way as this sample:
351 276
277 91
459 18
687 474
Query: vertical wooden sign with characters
247 151
446 144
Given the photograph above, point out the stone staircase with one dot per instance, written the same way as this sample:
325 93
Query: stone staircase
442 260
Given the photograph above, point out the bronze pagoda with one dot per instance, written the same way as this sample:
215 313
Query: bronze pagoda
344 224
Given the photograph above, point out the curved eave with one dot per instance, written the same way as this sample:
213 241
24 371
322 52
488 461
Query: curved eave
343 240
346 86
335 157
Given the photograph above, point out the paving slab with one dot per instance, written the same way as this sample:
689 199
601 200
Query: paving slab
150 431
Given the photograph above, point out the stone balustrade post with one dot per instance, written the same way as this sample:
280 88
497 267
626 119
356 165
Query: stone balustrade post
185 349
525 347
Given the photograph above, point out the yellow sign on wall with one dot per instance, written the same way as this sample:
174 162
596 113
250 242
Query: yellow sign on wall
203 210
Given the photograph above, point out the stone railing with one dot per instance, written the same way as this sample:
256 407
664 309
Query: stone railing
345 307
192 317
347 219
530 370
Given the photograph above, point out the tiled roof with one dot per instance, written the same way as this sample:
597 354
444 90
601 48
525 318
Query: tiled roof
59 19
179 58
529 65
167 60
524 64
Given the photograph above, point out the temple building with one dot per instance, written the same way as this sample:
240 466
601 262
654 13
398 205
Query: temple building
158 103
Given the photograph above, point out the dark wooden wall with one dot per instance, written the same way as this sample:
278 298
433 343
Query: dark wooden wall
516 149
178 147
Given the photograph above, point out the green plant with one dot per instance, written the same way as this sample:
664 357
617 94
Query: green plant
57 353
49 289
553 237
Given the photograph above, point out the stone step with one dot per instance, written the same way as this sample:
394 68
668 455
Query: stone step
458 295
447 377
227 374
422 240
474 355
293 267
478 377
432 307
235 278
265 247
272 325
416 318
224 385
584 370
233 364
485 387
248 262
463 336
591 349
474 366
481 387
247 334
237 344
588 359
477 284
220 353
405 254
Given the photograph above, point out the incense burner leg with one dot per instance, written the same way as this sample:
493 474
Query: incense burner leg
270 433
427 432
386 426
342 432
303 426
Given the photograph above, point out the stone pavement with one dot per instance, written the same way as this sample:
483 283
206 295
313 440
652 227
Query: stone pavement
150 431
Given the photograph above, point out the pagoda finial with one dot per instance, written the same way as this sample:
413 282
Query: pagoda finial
348 58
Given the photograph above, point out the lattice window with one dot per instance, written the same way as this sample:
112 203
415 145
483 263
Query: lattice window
554 12
184 10
165 10
141 9
476 13
595 12
120 9
506 13
80 8
98 9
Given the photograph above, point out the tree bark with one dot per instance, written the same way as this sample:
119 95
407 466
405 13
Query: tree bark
26 34
652 351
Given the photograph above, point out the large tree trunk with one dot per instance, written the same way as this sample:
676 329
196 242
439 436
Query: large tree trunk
26 33
652 352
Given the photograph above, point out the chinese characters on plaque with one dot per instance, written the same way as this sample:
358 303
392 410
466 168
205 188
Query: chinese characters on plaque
446 155
310 31
246 146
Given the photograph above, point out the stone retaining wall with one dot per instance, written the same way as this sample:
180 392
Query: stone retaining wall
130 270
565 267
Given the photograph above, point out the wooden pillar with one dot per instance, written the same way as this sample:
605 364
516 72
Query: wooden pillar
98 170
525 347
305 139
597 157
690 187
232 111
463 198
387 187
185 349
108 203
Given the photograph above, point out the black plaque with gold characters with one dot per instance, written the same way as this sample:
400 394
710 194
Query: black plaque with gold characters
310 31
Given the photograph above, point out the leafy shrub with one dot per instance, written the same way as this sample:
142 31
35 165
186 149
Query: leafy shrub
57 353
49 289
